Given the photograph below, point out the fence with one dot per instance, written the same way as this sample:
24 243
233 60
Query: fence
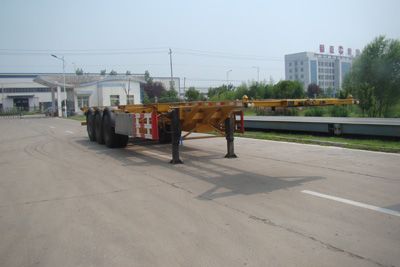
18 112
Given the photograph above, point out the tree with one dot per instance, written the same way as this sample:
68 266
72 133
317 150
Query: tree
127 73
241 90
113 72
329 92
313 90
170 95
260 90
147 77
192 94
146 99
103 72
217 91
375 77
288 89
153 90
79 71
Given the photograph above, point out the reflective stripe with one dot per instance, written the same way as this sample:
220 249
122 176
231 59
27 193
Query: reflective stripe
145 125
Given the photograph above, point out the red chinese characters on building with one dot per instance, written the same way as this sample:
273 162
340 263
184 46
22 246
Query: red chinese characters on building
322 48
340 50
349 52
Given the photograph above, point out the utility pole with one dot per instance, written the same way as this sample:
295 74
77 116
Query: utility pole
170 64
65 91
129 89
2 97
227 77
258 73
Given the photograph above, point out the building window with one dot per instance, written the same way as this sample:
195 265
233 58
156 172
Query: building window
295 63
302 76
295 69
114 100
290 64
290 70
301 62
130 99
83 101
301 69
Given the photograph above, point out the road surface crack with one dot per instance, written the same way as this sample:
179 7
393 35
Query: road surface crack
66 198
304 235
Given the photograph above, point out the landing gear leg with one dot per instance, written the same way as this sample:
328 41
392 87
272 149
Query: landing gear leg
229 130
176 136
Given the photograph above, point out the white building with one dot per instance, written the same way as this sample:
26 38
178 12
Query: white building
325 70
43 90
111 91
19 90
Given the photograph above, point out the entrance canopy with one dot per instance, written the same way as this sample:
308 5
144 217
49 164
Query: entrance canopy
71 80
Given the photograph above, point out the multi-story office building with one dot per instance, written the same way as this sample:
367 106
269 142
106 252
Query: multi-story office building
325 70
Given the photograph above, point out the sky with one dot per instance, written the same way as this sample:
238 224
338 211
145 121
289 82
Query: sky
210 40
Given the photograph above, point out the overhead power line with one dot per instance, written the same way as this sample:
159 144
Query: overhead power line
137 51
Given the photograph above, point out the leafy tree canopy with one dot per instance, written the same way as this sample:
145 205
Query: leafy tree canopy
192 94
288 89
79 71
313 90
375 77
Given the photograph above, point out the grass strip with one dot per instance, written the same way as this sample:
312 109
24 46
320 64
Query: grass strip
383 145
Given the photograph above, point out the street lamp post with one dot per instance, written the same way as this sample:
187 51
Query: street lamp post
258 73
227 77
65 91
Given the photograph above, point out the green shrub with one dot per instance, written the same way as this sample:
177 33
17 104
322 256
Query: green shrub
277 112
339 111
314 112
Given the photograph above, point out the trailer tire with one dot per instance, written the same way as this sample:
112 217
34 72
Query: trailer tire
111 139
90 125
98 125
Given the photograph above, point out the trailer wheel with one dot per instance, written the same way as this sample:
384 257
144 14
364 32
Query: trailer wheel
164 135
90 125
111 139
98 128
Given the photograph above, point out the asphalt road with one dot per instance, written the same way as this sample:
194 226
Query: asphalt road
65 201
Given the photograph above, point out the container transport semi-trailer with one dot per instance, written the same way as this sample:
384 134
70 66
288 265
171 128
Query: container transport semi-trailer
165 122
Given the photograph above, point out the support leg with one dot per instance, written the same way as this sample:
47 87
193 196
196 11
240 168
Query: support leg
229 131
176 136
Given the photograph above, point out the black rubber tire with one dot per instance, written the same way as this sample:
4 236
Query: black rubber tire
111 139
90 125
164 134
98 125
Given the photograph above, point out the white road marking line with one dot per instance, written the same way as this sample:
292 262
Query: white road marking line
354 203
156 154
52 127
69 132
